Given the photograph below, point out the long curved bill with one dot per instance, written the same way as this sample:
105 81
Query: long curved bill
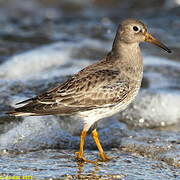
151 39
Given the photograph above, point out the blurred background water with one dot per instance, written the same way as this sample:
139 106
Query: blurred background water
44 42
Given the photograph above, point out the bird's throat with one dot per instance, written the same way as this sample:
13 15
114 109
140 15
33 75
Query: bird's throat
127 57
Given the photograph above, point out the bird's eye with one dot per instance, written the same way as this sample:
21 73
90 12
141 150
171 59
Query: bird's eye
135 28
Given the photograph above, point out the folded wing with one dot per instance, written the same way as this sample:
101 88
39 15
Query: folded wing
82 92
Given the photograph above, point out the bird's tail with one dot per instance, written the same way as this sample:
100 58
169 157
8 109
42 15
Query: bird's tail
31 108
35 108
16 113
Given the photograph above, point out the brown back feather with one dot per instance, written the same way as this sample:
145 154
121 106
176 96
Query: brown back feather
93 87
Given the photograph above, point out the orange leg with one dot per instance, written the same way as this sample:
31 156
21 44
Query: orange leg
80 155
101 151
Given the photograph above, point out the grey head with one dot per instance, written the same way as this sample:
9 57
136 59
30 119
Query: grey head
134 31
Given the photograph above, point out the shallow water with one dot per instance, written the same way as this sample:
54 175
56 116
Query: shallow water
45 42
61 164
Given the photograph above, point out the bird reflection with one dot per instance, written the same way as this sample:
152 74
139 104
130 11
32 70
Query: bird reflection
92 174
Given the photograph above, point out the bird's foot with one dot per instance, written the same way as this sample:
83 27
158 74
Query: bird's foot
104 157
80 158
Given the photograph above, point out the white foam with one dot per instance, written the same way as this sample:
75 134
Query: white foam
153 108
156 78
159 61
46 61
160 106
35 133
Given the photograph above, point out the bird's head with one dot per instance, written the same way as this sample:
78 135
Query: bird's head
134 31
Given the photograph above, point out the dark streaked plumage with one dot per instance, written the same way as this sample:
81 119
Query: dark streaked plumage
101 89
93 87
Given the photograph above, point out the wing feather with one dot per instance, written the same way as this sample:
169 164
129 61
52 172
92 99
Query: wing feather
84 91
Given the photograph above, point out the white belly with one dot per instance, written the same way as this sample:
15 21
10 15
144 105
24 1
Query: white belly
92 116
